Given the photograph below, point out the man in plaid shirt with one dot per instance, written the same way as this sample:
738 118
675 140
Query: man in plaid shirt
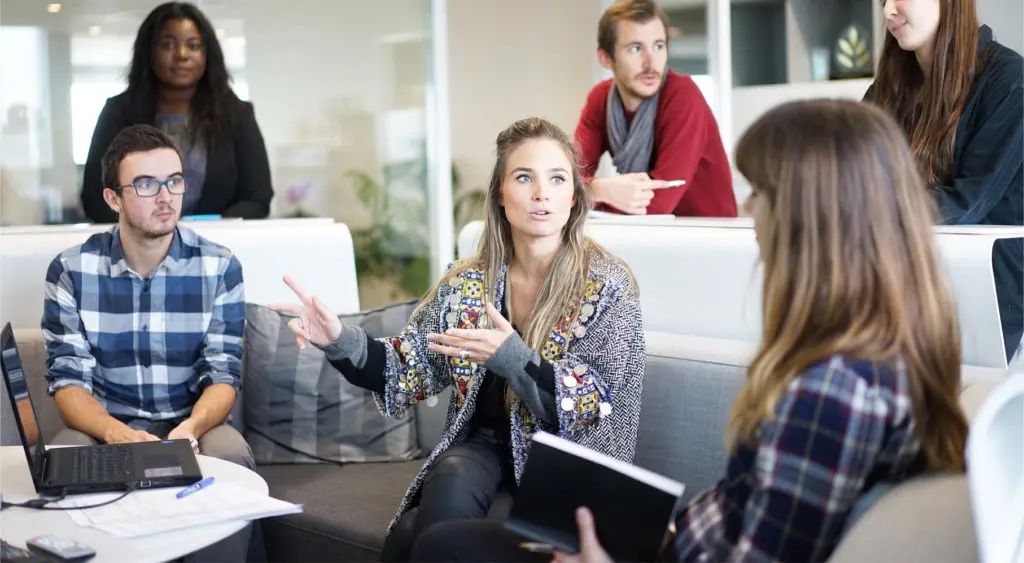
143 323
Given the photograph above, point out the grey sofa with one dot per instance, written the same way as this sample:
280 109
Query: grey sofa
689 387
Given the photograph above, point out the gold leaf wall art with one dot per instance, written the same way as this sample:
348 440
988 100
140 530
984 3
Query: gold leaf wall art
853 52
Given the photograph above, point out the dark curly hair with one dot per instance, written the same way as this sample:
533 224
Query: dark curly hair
214 103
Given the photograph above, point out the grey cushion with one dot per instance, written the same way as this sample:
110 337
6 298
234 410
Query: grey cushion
685 409
298 408
346 510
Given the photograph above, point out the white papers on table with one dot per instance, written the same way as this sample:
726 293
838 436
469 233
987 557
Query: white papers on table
153 511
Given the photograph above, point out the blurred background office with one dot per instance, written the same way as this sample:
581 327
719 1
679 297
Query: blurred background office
381 114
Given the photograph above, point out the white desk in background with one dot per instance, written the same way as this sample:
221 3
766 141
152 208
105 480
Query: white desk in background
701 277
17 525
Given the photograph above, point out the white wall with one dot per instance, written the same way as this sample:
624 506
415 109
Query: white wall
322 85
320 105
1006 18
750 102
515 59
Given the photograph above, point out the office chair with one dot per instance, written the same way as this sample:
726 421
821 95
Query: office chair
995 471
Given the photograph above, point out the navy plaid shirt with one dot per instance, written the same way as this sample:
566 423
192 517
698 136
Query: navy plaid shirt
839 428
145 348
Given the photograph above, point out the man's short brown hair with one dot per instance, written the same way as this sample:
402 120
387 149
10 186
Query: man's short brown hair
639 11
131 139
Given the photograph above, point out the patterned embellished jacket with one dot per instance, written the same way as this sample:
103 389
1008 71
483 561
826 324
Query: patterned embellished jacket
596 352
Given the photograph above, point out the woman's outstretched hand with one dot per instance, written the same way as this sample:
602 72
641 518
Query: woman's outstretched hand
474 344
313 321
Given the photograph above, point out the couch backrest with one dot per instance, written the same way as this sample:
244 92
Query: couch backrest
688 390
317 252
688 393
700 277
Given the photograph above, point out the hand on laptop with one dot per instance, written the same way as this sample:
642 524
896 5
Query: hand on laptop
184 431
128 435
313 321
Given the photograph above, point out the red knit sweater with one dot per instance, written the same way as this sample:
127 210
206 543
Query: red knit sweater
687 146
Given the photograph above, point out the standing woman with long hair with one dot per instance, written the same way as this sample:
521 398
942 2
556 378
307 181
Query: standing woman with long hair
178 82
959 97
539 330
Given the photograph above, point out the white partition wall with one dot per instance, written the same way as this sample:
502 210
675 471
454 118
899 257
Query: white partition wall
701 278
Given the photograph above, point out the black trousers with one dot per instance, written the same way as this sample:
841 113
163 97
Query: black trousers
472 540
461 486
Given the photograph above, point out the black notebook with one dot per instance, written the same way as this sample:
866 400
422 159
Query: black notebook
632 506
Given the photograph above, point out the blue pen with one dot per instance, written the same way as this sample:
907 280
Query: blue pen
195 487
207 217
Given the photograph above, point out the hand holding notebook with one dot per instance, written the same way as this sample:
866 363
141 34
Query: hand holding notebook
631 506
591 550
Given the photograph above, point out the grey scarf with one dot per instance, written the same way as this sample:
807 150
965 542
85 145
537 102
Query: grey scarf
631 145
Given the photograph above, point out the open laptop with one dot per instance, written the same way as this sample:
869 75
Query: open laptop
90 469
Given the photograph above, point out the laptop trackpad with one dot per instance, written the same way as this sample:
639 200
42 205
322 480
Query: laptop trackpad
156 465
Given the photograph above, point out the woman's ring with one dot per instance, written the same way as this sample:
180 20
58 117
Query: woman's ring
463 354
301 324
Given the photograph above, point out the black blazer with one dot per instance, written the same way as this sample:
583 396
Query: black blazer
987 187
237 180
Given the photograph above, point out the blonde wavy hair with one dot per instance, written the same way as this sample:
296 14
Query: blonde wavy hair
566 278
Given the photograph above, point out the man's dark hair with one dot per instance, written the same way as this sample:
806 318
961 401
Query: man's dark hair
638 11
214 103
131 139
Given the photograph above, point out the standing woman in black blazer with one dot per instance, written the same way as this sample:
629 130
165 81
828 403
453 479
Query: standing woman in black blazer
959 97
178 81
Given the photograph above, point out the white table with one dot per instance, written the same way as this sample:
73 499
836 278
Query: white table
17 525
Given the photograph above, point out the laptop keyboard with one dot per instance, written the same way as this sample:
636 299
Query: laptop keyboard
99 465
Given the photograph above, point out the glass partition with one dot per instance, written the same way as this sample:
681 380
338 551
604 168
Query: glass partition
341 92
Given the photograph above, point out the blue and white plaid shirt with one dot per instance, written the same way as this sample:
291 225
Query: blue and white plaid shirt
145 348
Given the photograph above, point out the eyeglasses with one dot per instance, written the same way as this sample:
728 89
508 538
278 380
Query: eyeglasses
150 187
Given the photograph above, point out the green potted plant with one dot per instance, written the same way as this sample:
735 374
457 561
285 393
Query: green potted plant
394 249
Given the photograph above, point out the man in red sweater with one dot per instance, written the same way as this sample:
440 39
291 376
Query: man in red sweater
655 123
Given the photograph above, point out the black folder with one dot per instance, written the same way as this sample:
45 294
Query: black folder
632 506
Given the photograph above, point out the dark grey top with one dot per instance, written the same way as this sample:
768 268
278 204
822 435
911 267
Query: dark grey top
193 158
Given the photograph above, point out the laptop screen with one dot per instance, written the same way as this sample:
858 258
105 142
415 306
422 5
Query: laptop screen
17 390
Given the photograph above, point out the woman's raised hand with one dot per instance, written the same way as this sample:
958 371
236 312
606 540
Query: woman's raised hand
313 321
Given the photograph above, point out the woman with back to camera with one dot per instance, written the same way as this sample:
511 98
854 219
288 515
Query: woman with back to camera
178 82
539 330
855 382
959 97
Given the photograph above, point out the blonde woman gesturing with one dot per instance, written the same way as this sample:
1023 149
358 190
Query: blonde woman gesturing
540 330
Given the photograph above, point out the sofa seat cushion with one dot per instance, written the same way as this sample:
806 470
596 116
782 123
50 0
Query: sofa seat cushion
349 506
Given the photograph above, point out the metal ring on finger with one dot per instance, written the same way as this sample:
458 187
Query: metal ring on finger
302 325
463 354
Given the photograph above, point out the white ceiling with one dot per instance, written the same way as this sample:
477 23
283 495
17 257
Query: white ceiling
117 17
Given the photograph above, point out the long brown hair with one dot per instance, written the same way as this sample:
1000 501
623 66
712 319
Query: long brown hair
850 267
566 279
930 110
